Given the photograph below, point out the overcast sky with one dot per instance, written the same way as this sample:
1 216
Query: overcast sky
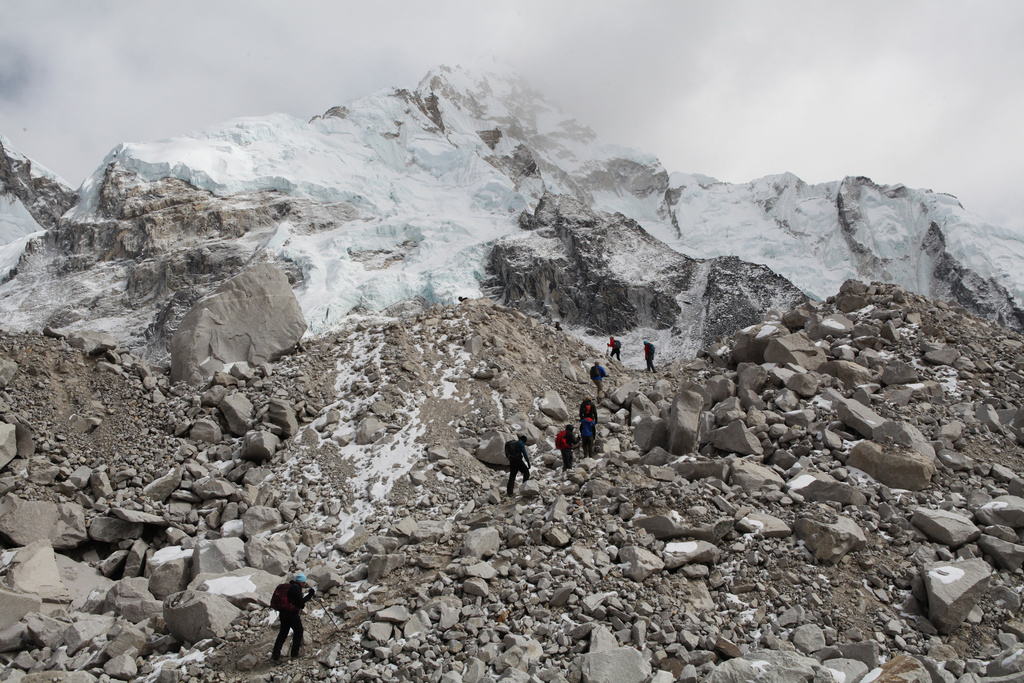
929 93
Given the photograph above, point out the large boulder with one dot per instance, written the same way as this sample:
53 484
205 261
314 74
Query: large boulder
33 570
684 423
797 349
830 541
954 588
218 556
943 526
620 665
552 405
491 448
25 521
192 616
640 562
8 443
895 467
131 599
253 317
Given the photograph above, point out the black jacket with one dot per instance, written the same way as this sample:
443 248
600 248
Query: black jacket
296 597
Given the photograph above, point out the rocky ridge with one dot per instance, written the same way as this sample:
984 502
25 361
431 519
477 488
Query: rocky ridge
605 273
831 492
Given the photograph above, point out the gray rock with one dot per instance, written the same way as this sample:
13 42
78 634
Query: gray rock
808 638
859 418
849 373
764 524
943 526
161 488
8 368
953 589
481 543
169 570
90 342
259 519
751 476
192 616
830 541
684 423
259 446
491 448
701 468
818 487
898 372
281 414
1006 554
650 432
690 552
205 430
894 467
621 665
370 430
122 668
13 606
795 348
25 521
130 598
552 405
640 562
735 438
34 570
237 410
272 554
8 444
218 556
252 317
1004 510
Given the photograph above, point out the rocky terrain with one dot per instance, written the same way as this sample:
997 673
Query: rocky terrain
605 273
832 494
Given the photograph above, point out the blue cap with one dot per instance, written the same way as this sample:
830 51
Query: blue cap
300 577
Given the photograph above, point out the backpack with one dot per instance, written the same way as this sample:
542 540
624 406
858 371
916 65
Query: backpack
280 600
561 441
617 345
596 372
650 349
511 449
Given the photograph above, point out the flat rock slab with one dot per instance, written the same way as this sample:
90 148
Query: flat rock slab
943 526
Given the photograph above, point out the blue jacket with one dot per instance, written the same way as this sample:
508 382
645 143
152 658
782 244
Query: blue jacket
587 427
600 369
521 450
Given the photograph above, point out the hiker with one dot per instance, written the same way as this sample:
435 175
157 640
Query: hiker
288 600
558 326
587 409
649 355
515 452
565 441
615 349
588 427
597 375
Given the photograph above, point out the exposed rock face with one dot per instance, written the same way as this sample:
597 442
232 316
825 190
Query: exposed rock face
253 317
569 270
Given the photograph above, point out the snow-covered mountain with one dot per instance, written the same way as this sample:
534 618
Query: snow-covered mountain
32 199
401 195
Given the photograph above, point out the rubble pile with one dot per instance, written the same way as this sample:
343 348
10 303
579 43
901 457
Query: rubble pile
833 494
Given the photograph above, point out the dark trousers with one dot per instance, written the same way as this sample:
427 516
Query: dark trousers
615 353
566 459
650 363
515 465
290 621
588 446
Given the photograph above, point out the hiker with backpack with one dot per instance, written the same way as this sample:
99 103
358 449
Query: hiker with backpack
288 600
615 349
518 461
649 355
565 441
587 408
597 375
588 429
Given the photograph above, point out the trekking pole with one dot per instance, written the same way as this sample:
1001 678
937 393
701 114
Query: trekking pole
326 611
